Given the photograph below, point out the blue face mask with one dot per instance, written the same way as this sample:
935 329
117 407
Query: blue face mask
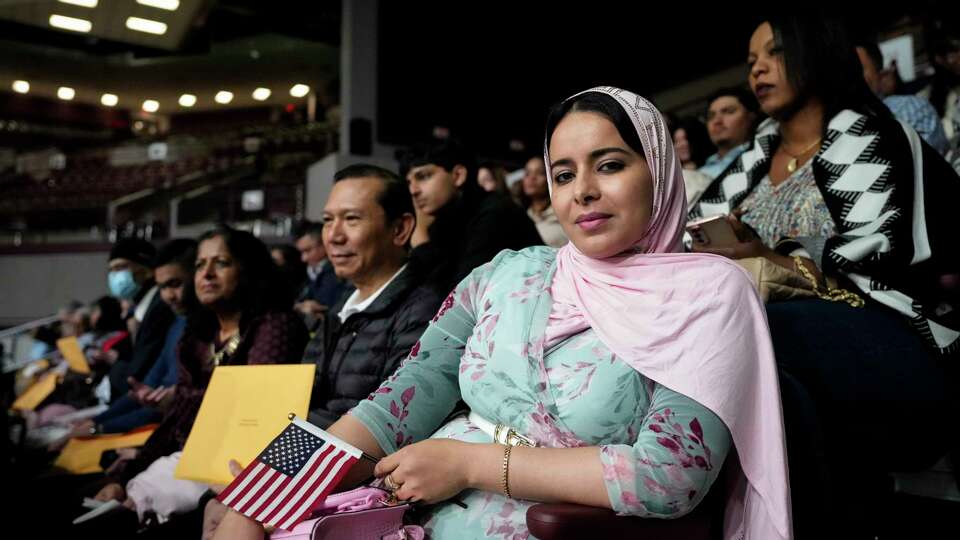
122 284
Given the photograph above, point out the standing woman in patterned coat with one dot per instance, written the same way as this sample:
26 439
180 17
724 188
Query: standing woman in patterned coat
834 183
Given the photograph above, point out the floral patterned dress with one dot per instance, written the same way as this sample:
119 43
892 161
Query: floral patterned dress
660 450
792 209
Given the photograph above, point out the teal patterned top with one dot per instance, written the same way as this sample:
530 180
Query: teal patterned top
660 450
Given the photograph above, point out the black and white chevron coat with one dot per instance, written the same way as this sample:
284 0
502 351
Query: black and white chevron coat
896 205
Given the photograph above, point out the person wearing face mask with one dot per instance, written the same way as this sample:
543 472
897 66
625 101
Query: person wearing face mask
142 405
131 279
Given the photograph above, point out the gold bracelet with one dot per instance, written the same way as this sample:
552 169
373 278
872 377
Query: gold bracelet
506 470
827 292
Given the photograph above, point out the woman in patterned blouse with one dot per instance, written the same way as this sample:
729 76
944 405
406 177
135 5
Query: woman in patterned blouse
832 182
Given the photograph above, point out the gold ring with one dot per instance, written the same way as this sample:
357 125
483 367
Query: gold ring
390 483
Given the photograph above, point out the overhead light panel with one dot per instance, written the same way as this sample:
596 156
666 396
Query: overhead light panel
66 93
109 100
223 97
81 3
70 23
151 106
260 94
187 100
146 26
169 5
299 90
21 87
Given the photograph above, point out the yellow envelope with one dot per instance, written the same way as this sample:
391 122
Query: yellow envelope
36 370
71 351
82 456
35 395
243 409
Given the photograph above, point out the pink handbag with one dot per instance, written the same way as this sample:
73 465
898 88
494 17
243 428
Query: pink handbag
359 514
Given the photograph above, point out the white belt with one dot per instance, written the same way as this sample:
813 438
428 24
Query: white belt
501 434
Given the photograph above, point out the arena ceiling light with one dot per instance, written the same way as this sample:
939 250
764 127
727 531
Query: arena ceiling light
299 90
187 100
66 93
151 105
261 94
70 23
21 87
169 5
109 100
146 26
81 3
223 97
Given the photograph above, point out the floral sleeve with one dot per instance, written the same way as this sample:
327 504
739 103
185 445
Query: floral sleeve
410 405
674 461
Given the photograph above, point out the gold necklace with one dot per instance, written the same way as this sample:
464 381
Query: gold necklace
792 164
228 349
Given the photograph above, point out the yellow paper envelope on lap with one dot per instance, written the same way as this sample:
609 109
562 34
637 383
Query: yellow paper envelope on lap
37 392
243 409
71 351
82 455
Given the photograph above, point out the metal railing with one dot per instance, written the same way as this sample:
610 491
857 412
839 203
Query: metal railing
8 343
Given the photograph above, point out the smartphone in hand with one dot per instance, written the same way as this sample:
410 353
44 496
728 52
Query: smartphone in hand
712 232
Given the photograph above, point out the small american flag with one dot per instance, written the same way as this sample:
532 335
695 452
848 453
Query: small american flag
295 473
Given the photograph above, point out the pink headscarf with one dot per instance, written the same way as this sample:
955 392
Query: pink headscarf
690 322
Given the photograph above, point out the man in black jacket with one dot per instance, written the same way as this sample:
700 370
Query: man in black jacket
322 288
461 226
131 280
368 221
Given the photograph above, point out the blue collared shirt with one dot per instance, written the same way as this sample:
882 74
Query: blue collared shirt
716 164
921 116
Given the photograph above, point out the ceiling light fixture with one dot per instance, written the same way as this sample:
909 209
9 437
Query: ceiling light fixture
169 5
299 90
70 23
146 26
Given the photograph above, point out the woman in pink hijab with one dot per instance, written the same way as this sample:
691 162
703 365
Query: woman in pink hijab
615 372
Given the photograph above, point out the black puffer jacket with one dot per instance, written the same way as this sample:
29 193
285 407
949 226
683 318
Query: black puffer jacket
355 356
